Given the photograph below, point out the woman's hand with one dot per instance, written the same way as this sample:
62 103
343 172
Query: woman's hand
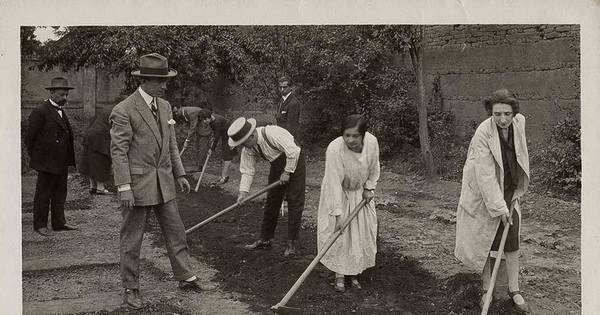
368 194
506 219
338 223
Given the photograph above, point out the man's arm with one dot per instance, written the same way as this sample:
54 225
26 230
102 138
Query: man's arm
120 136
35 123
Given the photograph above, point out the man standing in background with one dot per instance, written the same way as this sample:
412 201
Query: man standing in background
49 143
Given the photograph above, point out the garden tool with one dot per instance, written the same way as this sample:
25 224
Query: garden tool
281 307
237 204
203 170
490 290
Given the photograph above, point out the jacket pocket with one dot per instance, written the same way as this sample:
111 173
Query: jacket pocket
136 171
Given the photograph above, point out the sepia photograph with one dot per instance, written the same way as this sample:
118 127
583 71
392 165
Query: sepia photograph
330 167
392 166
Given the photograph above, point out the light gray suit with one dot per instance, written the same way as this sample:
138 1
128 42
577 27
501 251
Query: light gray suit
147 158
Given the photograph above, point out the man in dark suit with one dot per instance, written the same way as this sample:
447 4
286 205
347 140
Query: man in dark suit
49 142
288 111
146 165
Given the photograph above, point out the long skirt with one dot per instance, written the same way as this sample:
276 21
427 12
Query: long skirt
95 165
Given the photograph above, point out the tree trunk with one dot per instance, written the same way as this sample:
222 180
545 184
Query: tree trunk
416 54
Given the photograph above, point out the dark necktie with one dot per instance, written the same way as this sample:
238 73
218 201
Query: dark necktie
154 109
260 151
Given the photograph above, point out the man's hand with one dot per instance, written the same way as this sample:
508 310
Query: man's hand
184 185
126 199
368 195
241 196
285 178
186 143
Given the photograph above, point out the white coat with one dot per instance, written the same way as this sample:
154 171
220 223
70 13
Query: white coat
481 202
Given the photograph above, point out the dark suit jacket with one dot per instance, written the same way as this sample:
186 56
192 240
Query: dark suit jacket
144 153
288 115
49 140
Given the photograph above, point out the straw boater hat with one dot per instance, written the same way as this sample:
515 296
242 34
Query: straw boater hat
59 83
154 66
240 130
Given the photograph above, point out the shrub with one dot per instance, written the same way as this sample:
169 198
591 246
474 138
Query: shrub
559 168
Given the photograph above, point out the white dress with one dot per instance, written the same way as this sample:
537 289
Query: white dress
346 173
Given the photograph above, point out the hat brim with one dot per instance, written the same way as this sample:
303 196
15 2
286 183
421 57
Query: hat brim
171 74
234 144
59 87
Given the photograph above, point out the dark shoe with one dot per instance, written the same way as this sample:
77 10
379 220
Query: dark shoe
258 245
291 250
520 308
103 192
44 232
65 228
195 286
223 180
133 298
92 191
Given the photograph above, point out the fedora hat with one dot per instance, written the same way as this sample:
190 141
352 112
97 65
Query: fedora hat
154 66
240 130
59 83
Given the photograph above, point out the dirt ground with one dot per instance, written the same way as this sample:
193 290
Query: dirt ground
416 272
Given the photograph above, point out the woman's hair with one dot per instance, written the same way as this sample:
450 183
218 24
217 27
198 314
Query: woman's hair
501 96
355 120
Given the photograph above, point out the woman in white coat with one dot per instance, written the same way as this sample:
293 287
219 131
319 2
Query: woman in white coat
351 174
495 176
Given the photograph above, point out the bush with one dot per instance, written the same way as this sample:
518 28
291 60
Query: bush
559 168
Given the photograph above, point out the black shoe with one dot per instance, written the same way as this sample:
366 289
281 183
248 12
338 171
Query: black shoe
223 180
65 228
196 286
258 245
291 250
44 231
132 298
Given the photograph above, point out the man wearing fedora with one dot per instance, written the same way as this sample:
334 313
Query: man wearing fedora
146 165
49 142
277 146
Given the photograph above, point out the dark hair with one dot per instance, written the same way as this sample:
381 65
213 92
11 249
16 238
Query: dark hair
355 120
501 96
204 113
285 79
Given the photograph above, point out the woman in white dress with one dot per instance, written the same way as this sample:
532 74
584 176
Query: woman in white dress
351 174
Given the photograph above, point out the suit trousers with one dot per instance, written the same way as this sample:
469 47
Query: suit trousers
132 234
50 195
294 192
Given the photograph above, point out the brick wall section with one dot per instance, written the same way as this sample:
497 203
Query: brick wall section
539 63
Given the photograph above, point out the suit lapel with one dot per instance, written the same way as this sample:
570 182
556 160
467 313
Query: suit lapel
146 114
163 120
56 116
283 104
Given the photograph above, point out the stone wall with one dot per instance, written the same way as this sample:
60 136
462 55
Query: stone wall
539 63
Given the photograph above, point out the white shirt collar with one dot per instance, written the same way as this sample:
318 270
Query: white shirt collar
147 97
53 103
286 96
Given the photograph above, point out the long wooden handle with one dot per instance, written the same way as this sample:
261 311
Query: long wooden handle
181 152
490 290
235 205
203 169
322 253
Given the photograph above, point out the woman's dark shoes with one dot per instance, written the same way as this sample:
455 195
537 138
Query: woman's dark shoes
258 245
519 302
132 298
